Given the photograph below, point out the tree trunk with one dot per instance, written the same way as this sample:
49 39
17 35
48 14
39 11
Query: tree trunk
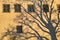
53 35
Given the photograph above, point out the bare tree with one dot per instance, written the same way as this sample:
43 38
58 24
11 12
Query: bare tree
41 19
13 35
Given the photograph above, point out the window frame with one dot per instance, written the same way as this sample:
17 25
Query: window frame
58 7
6 7
19 29
32 8
15 9
45 8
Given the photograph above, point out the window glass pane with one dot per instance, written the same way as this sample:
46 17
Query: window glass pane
31 8
45 8
58 7
17 7
6 7
19 29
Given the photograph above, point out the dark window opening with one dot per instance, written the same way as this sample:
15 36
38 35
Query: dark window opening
19 29
6 7
31 8
58 7
46 8
17 7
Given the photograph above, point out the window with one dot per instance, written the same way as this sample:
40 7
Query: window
31 8
45 8
58 7
6 7
17 7
19 29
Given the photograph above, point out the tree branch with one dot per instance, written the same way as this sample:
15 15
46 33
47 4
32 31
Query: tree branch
58 22
39 26
32 29
51 9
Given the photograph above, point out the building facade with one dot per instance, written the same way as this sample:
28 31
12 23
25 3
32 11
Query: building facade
11 8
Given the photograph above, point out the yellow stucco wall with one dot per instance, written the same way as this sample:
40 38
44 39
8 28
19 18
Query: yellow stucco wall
7 18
